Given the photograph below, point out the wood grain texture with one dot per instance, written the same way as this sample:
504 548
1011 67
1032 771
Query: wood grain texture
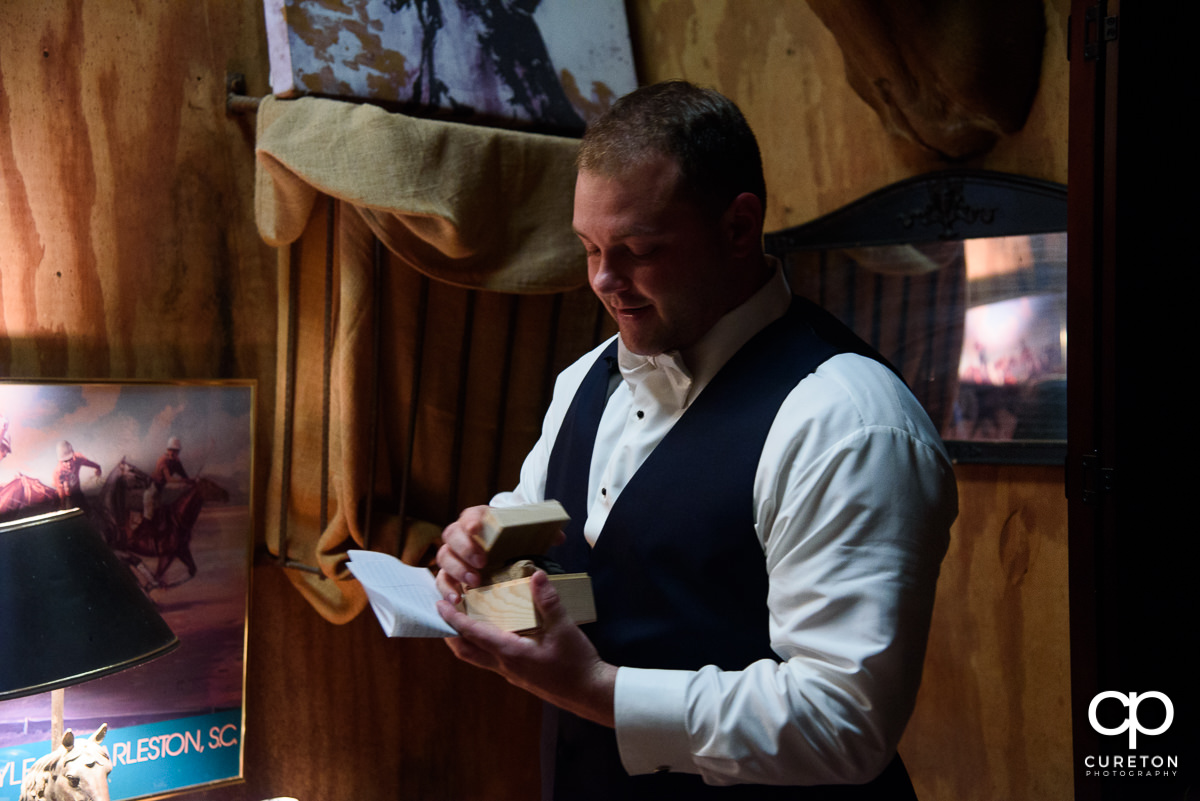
343 712
823 146
993 714
508 605
130 248
520 531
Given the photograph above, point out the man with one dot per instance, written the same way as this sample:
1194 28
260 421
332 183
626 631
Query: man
762 505
66 476
168 467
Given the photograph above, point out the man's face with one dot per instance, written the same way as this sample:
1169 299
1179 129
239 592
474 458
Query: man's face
654 259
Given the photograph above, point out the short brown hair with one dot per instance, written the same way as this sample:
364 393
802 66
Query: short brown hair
700 128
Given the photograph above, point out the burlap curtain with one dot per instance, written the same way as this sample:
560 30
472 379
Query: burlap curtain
430 289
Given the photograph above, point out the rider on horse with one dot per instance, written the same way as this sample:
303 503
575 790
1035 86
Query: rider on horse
168 467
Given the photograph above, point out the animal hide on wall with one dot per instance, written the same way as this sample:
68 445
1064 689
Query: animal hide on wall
951 76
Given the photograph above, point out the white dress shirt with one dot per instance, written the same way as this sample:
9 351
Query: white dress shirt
854 496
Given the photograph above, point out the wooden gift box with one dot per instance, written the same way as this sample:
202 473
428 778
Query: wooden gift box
517 533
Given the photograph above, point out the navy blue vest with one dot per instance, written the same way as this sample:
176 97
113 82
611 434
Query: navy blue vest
678 572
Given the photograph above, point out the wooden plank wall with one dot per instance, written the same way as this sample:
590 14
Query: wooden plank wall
128 249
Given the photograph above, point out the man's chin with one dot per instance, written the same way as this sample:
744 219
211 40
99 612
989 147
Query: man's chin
644 332
641 344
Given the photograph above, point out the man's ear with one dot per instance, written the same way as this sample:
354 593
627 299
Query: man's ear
744 225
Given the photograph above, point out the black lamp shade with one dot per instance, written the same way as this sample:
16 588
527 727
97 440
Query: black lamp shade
70 611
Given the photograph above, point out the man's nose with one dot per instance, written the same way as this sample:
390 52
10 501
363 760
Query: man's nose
609 274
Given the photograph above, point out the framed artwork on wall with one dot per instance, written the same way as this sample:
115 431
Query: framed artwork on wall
163 471
959 278
550 64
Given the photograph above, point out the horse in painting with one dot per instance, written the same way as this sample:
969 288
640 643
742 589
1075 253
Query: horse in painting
167 536
26 493
75 771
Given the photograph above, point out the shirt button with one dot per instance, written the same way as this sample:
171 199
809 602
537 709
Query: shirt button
604 492
640 414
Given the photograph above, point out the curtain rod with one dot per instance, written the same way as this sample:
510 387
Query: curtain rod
236 99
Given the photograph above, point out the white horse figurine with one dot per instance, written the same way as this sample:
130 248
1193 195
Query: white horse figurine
75 771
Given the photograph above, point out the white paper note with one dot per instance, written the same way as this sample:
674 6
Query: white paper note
404 597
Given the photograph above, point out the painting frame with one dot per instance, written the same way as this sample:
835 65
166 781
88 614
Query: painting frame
891 265
175 724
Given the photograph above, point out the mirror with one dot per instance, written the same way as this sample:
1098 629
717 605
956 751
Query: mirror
959 279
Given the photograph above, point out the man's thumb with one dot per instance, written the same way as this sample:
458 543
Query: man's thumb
545 599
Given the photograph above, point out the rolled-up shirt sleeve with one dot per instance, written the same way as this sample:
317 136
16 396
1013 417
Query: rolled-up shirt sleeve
854 497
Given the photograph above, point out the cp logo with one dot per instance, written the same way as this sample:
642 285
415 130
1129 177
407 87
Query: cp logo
1131 723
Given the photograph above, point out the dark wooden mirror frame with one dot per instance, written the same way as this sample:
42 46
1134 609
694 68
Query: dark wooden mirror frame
935 208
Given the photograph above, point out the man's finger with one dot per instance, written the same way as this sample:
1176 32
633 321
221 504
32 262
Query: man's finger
461 543
482 634
480 643
456 569
546 600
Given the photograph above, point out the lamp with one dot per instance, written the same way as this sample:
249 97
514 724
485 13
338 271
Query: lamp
70 611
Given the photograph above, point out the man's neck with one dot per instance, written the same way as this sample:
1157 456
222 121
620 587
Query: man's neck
758 275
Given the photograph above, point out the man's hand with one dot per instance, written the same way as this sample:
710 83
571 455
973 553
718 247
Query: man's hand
461 557
558 664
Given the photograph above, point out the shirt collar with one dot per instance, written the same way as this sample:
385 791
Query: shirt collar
688 375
